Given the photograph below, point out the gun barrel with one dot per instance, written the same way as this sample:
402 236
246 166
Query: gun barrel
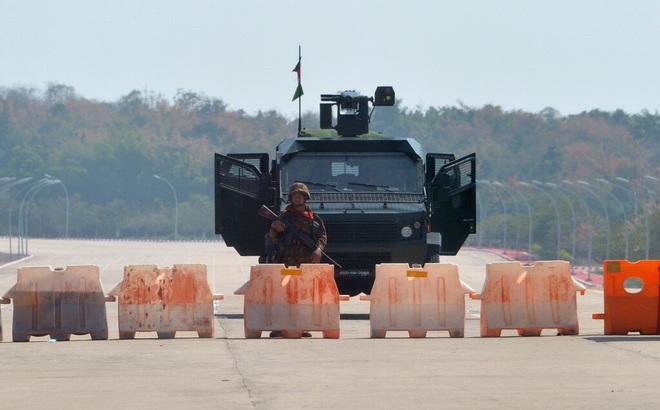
267 213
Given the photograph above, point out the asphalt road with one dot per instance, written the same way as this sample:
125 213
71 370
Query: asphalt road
354 372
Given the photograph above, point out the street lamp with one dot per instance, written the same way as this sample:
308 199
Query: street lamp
503 208
11 205
657 181
570 206
538 185
23 215
525 184
66 193
176 206
623 212
587 187
515 205
529 228
480 206
646 221
591 231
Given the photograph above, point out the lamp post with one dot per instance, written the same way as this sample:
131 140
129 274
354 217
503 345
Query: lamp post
657 181
587 187
537 185
66 193
529 229
515 205
23 215
591 230
570 206
623 212
646 221
479 221
488 183
176 206
11 205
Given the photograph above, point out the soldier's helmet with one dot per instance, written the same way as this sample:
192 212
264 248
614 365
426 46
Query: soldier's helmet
299 187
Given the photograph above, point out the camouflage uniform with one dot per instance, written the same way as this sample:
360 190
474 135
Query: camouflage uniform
293 251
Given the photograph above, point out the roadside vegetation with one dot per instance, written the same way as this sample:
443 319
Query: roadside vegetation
105 156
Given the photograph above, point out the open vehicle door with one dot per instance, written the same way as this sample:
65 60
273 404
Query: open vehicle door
240 190
452 194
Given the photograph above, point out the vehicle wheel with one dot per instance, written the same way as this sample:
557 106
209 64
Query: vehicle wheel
434 258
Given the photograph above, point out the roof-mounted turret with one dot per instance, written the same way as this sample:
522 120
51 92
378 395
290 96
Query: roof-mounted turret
353 114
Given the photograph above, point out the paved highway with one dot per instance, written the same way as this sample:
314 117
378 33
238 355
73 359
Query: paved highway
354 372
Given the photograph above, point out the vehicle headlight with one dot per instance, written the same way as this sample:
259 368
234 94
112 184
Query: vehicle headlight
406 231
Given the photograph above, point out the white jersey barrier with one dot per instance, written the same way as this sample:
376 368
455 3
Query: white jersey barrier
58 302
291 300
417 300
165 300
529 298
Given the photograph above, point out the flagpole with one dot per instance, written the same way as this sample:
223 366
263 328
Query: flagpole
299 99
299 92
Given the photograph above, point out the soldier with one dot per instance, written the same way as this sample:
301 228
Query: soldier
292 251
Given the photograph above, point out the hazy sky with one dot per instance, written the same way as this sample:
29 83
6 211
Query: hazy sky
570 55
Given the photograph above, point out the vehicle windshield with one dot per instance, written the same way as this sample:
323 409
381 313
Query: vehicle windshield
366 172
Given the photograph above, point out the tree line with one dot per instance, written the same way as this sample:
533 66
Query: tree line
105 155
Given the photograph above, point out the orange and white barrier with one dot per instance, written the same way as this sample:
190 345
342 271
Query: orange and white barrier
58 302
291 300
417 300
529 298
2 301
631 296
165 300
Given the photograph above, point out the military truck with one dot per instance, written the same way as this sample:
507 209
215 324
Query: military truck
381 199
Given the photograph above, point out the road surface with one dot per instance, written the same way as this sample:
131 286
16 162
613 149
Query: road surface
354 372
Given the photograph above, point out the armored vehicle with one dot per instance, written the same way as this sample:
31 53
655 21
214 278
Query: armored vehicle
381 199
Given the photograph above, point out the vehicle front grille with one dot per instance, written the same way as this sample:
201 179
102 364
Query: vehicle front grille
343 232
373 197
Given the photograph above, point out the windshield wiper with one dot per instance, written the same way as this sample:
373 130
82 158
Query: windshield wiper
385 187
321 184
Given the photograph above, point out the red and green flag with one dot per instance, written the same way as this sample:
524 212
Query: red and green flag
299 90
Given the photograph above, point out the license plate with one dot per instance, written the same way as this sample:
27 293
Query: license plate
354 273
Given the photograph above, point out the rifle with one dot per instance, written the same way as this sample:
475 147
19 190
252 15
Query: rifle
306 240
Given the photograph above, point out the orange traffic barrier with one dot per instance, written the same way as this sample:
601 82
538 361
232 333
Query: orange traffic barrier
417 300
165 300
631 296
291 300
529 298
58 302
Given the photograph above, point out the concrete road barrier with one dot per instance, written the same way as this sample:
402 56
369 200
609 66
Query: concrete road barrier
529 298
165 300
58 302
417 300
